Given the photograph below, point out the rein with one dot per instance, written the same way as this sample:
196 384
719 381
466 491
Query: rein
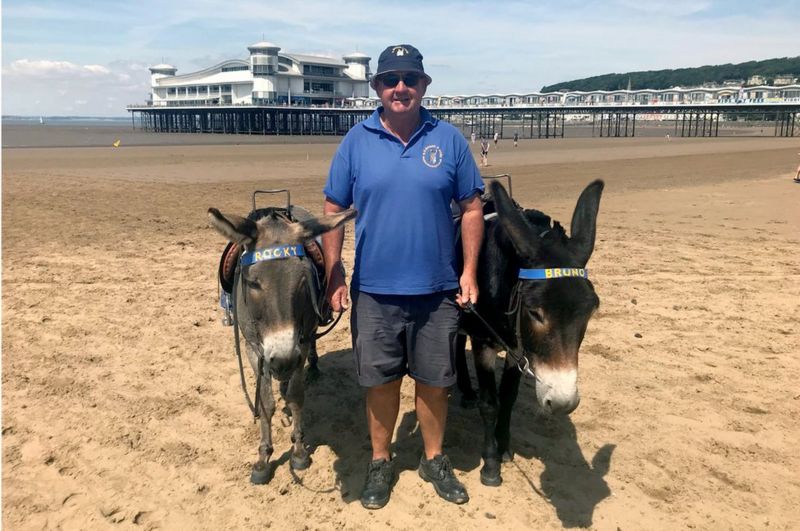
522 362
254 408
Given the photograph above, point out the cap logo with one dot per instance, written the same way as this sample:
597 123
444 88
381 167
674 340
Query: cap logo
399 51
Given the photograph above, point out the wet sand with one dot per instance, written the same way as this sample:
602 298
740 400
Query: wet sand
121 399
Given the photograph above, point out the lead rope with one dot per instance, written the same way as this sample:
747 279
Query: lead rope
522 362
331 327
318 304
253 407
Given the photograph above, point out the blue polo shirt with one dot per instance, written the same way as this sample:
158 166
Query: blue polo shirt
405 239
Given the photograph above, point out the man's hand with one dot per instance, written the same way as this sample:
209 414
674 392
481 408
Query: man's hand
337 289
469 290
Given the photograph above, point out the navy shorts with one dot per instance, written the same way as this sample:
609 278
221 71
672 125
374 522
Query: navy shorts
395 335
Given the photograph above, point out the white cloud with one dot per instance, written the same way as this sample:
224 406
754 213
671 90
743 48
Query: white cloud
64 86
46 69
97 69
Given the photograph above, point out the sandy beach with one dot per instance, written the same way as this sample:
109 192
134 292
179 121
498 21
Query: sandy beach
121 400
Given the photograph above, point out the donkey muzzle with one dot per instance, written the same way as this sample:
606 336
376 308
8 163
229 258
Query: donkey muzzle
282 353
557 391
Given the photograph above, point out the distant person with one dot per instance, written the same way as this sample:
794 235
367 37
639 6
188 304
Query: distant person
516 138
472 137
797 175
484 152
496 137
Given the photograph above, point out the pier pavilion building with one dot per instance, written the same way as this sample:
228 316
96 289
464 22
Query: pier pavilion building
267 77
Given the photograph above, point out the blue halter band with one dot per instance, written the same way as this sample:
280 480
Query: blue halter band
555 272
272 253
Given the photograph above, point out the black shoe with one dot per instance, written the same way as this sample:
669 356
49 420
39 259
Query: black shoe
439 471
378 485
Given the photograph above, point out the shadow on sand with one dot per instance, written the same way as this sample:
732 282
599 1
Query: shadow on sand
335 417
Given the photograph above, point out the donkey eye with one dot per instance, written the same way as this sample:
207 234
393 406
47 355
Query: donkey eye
537 314
253 284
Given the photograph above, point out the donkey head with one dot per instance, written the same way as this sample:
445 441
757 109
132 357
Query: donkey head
552 314
274 302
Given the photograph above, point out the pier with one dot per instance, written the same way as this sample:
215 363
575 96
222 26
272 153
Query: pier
535 121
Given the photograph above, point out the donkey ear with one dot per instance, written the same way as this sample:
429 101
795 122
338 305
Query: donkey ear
584 221
237 229
311 228
522 235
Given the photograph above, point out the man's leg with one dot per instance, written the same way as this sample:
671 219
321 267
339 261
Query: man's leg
432 360
383 405
435 467
431 404
377 360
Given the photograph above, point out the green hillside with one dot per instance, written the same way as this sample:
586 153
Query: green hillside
683 77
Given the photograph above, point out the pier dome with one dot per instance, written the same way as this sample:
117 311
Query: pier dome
356 57
263 46
163 68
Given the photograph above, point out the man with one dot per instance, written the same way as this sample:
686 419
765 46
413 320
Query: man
400 169
496 138
516 138
484 152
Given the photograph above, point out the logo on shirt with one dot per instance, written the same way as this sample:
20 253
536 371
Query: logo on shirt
432 156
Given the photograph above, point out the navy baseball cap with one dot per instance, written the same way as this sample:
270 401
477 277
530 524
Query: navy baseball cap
401 58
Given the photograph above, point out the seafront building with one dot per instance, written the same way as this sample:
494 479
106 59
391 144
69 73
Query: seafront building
670 96
266 77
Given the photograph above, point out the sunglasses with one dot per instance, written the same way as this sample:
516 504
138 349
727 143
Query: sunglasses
391 80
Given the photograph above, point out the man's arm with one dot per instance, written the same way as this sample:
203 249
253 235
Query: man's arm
471 238
332 242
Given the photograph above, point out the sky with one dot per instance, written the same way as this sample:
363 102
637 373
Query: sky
90 58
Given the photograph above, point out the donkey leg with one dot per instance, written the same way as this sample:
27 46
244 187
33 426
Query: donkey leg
295 398
469 399
509 387
260 474
484 368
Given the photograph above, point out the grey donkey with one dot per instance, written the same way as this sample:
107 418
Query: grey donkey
276 314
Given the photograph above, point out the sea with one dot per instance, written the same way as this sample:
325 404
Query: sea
119 131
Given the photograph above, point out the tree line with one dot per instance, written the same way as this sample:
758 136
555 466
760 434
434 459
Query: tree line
684 77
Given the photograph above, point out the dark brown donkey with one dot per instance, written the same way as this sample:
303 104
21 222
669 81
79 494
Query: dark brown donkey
535 302
276 313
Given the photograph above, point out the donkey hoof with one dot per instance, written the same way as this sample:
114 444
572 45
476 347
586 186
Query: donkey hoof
300 463
490 474
260 474
491 480
508 456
